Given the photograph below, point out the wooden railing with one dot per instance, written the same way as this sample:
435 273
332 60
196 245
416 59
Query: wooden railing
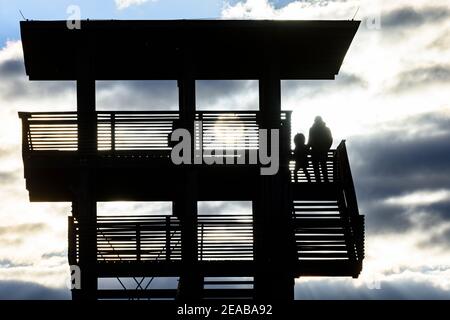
48 131
147 131
225 237
353 221
302 178
229 130
132 238
158 238
120 132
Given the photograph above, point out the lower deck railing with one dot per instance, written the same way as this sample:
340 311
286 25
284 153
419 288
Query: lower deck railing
158 238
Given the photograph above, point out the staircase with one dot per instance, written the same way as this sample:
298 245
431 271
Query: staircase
328 230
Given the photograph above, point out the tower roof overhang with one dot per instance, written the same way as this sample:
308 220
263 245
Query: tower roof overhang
165 49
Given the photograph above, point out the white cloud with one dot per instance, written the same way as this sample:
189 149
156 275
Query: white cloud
12 51
250 9
264 9
123 4
420 198
29 232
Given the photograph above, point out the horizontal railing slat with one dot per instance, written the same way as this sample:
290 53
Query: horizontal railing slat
138 130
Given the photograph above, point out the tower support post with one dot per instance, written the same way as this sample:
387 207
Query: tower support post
273 250
85 205
185 206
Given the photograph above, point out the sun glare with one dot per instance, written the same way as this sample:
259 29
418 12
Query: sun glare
228 132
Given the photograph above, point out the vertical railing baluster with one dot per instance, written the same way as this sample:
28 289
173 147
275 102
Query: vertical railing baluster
168 238
201 241
27 145
288 128
72 241
138 242
113 132
348 197
200 132
335 166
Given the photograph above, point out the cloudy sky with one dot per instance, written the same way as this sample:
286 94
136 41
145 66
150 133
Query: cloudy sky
391 101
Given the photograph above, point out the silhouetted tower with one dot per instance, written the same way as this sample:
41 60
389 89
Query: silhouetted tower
85 156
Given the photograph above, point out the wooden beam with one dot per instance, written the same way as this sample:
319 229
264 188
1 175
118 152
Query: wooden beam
85 211
87 118
84 193
273 251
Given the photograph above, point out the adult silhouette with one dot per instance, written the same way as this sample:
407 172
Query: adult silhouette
320 140
301 156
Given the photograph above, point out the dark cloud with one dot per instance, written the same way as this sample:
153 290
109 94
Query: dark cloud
15 85
423 269
396 152
381 218
394 164
398 219
421 76
440 121
137 95
311 88
127 95
16 88
7 177
163 95
410 17
342 80
226 94
18 290
58 254
12 68
159 95
349 79
407 289
439 239
438 211
393 156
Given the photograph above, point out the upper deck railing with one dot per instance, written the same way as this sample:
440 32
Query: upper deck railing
128 132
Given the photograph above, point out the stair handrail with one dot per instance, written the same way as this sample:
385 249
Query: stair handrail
345 178
355 220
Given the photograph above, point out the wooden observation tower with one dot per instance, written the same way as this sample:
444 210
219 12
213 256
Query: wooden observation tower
86 156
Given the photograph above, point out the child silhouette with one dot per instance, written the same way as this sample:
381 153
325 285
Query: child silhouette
301 156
